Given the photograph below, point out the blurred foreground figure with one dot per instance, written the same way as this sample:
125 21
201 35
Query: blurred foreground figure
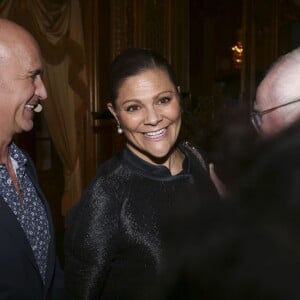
276 107
250 249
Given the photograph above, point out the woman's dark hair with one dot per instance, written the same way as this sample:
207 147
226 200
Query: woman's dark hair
133 61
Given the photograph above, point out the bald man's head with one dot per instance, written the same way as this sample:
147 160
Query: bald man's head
14 38
280 86
21 85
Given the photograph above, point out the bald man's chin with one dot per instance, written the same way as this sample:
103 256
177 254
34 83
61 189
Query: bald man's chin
26 126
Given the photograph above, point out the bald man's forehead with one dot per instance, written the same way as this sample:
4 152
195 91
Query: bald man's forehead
7 26
16 41
12 34
19 58
279 86
287 87
4 52
264 97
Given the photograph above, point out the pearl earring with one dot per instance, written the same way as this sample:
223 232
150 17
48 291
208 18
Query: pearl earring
119 129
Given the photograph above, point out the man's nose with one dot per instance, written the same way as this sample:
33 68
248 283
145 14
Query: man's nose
41 91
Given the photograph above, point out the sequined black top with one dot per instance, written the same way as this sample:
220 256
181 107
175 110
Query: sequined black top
113 245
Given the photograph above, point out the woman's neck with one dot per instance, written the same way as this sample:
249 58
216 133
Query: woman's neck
175 161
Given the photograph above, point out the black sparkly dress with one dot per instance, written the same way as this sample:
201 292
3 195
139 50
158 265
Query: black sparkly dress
114 246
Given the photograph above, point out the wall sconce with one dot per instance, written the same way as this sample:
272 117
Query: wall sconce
237 54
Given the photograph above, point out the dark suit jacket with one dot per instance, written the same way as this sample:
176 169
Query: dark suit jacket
19 275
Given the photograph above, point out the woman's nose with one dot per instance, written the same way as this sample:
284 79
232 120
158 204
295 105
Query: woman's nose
153 116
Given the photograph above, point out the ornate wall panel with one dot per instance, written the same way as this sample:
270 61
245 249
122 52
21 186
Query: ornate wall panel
122 25
155 27
160 25
138 24
270 28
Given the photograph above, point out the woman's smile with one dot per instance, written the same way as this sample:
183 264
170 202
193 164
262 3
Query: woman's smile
156 134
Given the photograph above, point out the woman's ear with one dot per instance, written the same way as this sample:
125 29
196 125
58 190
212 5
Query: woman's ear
112 111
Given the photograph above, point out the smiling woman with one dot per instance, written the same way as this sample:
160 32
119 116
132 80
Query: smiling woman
148 111
114 240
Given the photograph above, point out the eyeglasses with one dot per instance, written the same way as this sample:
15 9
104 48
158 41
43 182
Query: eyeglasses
256 116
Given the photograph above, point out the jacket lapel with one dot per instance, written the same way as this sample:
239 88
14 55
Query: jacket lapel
10 223
51 252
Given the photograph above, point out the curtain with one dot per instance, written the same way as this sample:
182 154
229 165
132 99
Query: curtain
57 25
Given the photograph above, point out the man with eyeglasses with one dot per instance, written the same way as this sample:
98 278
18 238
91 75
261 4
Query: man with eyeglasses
277 102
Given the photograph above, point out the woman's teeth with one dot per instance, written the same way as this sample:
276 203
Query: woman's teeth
156 134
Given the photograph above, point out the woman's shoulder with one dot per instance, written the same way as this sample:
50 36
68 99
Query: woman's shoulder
115 166
110 181
195 151
100 199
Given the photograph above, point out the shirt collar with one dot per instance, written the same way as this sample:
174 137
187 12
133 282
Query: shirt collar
17 156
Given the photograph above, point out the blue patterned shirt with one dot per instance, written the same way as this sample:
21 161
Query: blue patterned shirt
32 215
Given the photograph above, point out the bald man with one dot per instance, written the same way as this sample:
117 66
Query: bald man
278 96
277 103
28 265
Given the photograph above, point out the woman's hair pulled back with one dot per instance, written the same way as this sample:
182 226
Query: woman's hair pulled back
133 61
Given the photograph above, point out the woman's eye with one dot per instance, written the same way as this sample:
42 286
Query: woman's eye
132 108
164 100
